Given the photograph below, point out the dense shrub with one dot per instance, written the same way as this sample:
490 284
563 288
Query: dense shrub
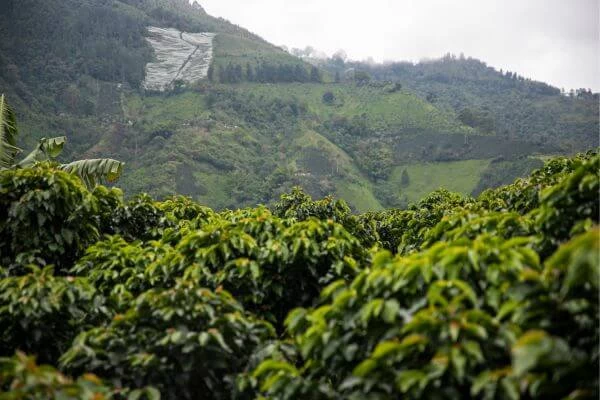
115 266
140 219
41 313
187 341
300 206
470 318
493 297
22 379
571 205
271 265
47 212
403 230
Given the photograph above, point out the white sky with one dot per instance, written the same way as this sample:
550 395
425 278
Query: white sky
556 41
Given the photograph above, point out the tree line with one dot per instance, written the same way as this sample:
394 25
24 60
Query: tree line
264 73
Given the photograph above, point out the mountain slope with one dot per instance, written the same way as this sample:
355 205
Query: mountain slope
501 102
261 120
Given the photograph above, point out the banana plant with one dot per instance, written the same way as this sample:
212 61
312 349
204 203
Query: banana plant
8 135
91 171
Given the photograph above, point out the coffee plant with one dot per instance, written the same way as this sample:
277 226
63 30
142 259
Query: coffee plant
493 297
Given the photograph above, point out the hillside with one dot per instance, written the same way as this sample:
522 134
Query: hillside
221 115
488 99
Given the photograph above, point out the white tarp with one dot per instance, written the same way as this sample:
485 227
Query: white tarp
179 56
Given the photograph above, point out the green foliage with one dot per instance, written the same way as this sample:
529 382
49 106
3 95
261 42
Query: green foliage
186 341
501 172
299 205
115 266
8 134
493 101
41 313
404 230
90 171
22 379
242 59
460 319
270 265
45 211
488 297
523 195
140 218
180 209
45 150
93 171
571 205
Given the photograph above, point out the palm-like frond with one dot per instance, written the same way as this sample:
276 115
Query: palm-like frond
95 171
46 149
8 135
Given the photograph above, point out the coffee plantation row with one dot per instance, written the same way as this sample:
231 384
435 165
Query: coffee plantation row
494 297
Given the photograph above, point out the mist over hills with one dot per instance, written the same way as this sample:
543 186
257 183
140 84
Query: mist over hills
255 120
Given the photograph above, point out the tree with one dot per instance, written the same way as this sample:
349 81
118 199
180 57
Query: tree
328 98
467 117
339 57
405 180
315 75
362 77
90 171
210 72
300 73
249 73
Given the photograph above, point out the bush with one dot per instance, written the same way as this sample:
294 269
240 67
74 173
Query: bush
46 212
462 319
40 313
271 265
22 379
186 341
328 98
140 219
453 297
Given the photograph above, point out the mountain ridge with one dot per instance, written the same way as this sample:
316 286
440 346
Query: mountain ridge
264 120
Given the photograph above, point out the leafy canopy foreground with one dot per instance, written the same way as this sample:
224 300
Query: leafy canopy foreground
494 297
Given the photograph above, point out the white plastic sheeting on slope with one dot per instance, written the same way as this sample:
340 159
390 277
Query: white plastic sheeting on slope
179 56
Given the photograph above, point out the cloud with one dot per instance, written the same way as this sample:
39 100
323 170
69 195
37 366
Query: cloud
556 41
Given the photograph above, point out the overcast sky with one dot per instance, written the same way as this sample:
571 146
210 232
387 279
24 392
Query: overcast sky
556 41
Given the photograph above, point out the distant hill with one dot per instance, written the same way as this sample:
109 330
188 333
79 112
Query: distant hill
501 102
243 120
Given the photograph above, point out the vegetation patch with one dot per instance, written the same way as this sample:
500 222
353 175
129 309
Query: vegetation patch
414 181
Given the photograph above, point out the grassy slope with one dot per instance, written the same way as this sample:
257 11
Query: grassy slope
457 176
157 169
349 182
191 144
384 110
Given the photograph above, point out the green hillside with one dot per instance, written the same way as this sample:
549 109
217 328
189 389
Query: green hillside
456 176
502 102
238 50
269 137
264 121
